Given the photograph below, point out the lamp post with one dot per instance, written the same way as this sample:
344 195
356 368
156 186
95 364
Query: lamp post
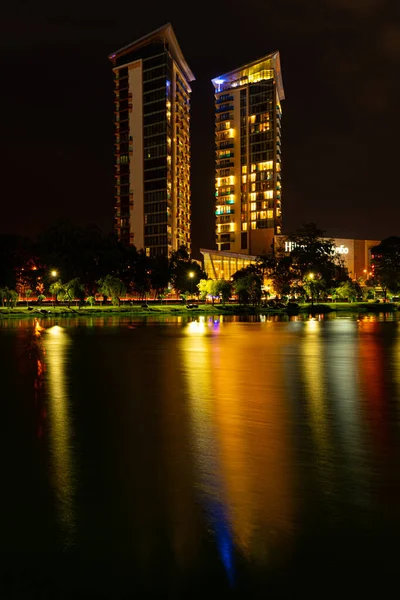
54 275
311 278
191 275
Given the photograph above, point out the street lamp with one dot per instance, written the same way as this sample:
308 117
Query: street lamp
191 275
54 274
311 277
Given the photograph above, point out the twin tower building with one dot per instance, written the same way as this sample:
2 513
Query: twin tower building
152 149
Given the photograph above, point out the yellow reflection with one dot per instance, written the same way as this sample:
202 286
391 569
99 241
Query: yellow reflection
197 365
56 344
196 327
313 368
241 446
255 448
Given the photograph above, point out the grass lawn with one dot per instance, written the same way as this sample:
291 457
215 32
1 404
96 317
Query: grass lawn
179 309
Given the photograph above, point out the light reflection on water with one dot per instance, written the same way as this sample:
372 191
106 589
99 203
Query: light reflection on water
261 436
57 348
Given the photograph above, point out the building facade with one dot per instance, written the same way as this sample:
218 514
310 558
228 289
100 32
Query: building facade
356 256
152 143
248 186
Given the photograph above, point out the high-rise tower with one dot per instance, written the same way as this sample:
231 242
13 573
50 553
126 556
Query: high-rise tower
248 156
152 143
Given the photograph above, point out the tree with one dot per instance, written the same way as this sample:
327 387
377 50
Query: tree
202 286
311 253
159 275
386 264
247 284
185 273
10 296
225 290
213 289
284 276
57 290
74 290
112 287
28 294
140 273
348 289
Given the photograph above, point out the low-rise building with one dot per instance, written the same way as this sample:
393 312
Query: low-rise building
355 253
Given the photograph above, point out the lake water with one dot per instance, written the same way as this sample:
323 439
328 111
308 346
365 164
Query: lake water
216 456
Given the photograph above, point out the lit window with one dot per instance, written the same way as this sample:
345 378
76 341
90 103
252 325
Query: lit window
253 206
244 169
253 119
253 216
253 167
232 226
253 196
253 176
244 178
263 214
147 251
253 225
253 187
244 226
264 205
270 214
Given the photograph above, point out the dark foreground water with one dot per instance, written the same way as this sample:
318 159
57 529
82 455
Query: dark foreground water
210 458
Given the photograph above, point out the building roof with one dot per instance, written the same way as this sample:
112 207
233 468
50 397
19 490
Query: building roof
227 254
270 60
164 34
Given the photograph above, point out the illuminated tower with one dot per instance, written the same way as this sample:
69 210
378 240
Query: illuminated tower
248 156
152 144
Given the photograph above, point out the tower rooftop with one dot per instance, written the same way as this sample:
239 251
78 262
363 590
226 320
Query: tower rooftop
252 73
164 34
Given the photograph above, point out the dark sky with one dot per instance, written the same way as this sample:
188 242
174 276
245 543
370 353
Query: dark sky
340 64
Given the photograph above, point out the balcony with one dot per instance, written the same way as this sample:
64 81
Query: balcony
224 145
225 98
225 108
229 211
226 165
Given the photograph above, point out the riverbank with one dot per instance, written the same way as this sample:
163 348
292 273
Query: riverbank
200 309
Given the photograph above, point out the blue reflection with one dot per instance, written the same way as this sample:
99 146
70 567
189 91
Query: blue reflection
220 523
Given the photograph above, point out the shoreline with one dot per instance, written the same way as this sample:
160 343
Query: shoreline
203 309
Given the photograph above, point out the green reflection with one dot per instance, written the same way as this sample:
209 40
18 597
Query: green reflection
57 349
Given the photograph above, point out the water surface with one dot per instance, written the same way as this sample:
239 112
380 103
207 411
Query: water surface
245 458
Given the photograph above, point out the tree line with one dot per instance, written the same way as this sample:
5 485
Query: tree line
72 263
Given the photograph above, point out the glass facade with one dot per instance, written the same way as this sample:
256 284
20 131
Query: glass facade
248 156
155 148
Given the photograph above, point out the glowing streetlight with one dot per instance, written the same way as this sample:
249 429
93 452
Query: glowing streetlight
311 278
54 274
191 275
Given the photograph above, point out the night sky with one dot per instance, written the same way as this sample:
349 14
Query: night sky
340 64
